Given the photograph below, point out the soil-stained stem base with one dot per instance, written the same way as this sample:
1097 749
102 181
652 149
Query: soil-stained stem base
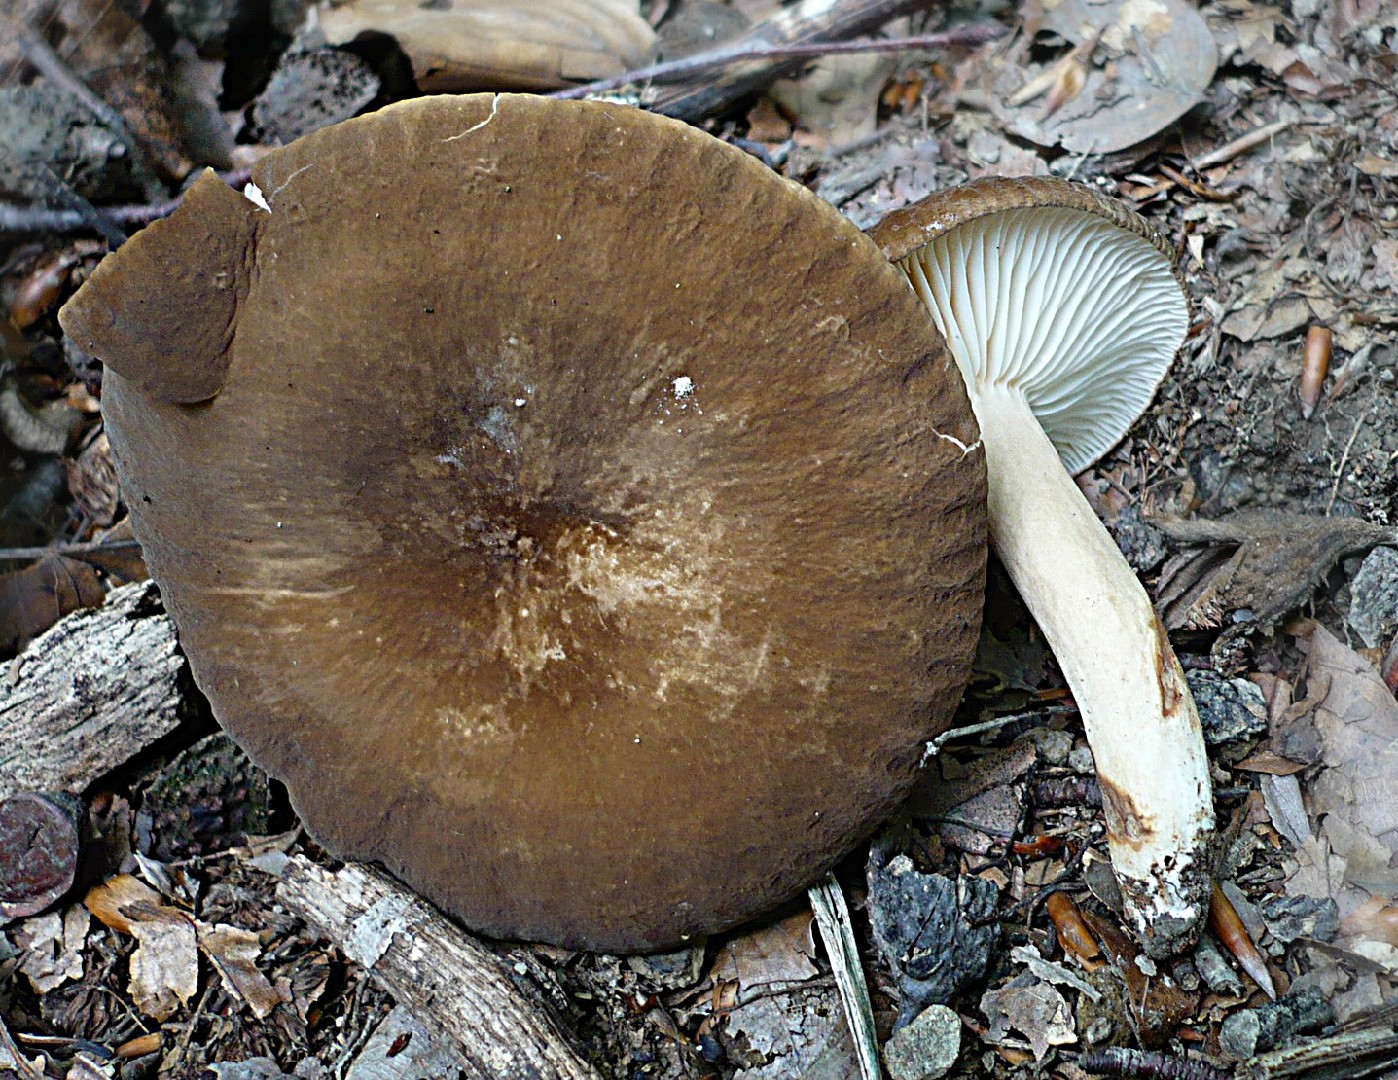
1140 718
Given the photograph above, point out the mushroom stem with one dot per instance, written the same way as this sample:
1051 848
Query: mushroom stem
1140 717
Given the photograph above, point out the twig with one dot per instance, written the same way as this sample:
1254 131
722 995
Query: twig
90 216
935 745
675 70
448 979
1347 1055
40 219
1344 459
804 23
72 551
1242 144
836 933
187 1036
49 64
1147 1065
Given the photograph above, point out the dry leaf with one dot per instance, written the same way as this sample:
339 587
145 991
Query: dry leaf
836 99
51 948
774 1033
501 44
1261 561
1358 724
165 965
780 953
1282 797
33 599
1031 1007
1354 798
234 952
1154 61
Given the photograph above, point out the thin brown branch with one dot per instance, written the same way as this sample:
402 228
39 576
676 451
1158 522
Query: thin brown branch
71 551
42 219
676 70
807 22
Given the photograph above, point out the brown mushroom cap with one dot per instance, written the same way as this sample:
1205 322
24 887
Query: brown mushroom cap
575 515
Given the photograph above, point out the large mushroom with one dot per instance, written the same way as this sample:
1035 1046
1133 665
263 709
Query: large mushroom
582 521
1064 310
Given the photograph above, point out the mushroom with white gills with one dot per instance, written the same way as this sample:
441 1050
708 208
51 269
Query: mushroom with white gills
1063 309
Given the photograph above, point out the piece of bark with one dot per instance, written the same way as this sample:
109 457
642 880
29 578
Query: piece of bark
803 23
1348 1055
1276 562
445 978
90 694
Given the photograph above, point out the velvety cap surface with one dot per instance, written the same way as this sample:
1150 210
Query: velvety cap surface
574 514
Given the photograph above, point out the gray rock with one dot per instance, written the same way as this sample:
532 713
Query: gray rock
1214 969
1143 544
926 1049
1292 917
1080 760
258 1068
935 933
311 90
1373 608
1053 746
1255 1031
1229 709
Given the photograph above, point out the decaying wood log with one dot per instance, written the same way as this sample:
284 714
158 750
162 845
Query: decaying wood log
90 694
444 977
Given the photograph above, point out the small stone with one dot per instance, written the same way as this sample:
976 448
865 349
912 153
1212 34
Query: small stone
1143 544
1080 760
1229 709
935 932
1214 969
926 1049
1373 607
1255 1031
1053 747
1292 917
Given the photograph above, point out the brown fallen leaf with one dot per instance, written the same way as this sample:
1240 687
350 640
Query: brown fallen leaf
836 98
51 948
780 953
33 599
1155 1007
234 952
165 966
775 1023
1272 764
1356 794
1154 61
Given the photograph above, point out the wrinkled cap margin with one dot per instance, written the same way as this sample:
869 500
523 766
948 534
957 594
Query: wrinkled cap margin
582 521
1051 287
